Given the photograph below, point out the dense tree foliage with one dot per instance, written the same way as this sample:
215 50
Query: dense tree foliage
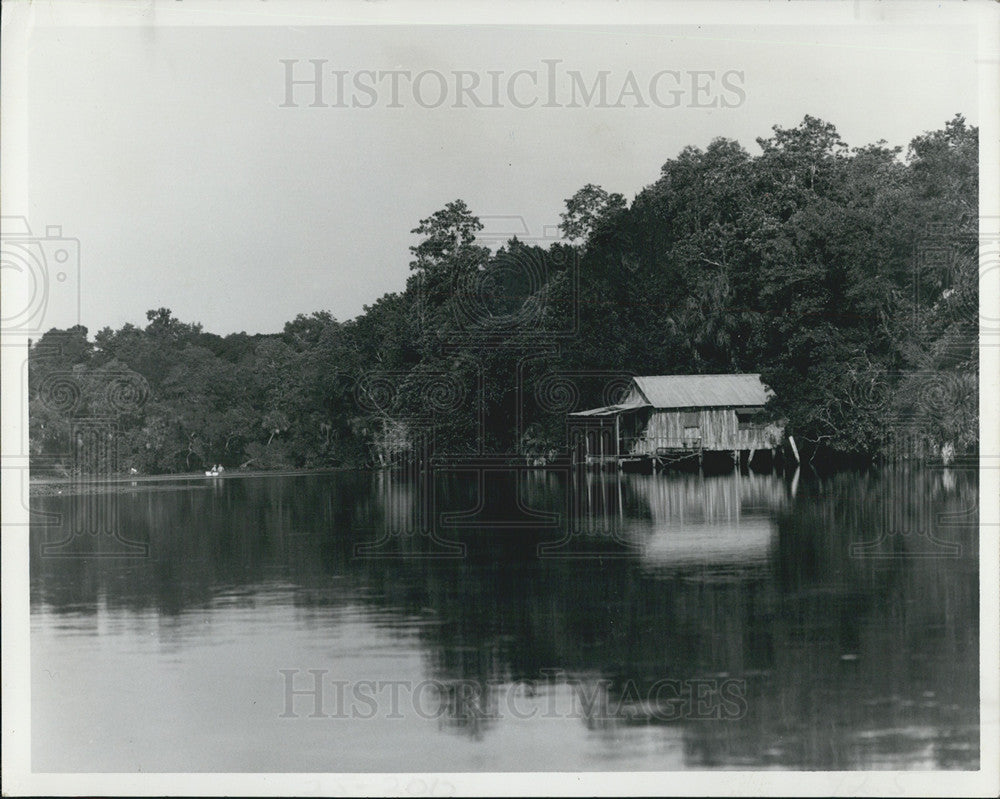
846 276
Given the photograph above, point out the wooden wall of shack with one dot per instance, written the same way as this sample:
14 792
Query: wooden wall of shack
644 430
705 428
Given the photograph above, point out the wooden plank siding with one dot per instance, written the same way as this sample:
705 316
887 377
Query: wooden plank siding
705 428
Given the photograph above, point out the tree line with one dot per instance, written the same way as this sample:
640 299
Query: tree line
846 276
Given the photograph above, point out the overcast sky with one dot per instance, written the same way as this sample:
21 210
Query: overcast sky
168 154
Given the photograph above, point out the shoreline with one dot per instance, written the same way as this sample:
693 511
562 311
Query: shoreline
48 485
51 485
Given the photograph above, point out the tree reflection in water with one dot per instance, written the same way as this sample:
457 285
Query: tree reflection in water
611 597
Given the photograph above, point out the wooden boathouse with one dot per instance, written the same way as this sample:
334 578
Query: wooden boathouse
668 418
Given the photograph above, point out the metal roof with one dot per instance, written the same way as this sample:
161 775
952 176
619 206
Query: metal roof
630 404
745 393
703 391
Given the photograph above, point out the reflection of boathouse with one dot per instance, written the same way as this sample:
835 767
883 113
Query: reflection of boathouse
670 417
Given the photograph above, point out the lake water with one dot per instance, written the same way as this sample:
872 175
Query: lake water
508 621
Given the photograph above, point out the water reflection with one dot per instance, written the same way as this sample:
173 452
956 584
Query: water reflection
672 621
